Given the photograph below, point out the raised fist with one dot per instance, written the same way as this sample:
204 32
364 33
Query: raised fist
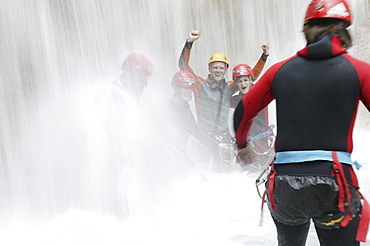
193 35
266 49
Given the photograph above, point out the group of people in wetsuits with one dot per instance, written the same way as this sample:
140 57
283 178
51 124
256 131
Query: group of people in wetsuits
215 101
317 92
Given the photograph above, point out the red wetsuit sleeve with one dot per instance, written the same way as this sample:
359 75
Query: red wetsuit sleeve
364 76
252 103
184 65
363 72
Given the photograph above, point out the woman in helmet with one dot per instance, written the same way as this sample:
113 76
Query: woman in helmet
317 92
212 98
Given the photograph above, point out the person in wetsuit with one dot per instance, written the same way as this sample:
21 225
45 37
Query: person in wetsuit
317 92
183 124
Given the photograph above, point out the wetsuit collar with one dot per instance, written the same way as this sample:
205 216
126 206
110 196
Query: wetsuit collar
326 46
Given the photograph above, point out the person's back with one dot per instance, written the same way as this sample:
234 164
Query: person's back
317 96
317 93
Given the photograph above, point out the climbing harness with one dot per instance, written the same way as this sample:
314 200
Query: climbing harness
344 194
262 178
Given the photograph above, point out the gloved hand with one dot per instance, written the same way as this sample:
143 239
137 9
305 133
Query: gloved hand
193 36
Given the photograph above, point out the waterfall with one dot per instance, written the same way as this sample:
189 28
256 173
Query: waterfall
65 143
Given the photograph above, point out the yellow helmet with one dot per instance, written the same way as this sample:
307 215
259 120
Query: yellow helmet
219 57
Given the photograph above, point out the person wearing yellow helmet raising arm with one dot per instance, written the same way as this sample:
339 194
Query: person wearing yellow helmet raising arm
212 98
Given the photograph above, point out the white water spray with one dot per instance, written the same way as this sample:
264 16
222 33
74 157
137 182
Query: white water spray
82 167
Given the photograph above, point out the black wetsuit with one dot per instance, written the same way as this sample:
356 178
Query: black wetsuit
317 92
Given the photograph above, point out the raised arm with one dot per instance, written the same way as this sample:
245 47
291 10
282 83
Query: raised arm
257 69
185 53
184 64
364 76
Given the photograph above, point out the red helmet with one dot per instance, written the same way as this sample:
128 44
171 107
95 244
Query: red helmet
328 9
138 64
183 78
241 70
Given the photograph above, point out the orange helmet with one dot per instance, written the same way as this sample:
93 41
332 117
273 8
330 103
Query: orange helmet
324 10
219 57
138 64
183 78
242 70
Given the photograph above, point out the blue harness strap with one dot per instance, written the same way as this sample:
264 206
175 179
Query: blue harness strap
262 134
313 155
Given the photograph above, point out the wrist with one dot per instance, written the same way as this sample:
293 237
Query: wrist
188 44
264 57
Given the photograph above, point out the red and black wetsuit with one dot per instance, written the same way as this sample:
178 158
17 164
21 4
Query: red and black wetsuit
317 92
